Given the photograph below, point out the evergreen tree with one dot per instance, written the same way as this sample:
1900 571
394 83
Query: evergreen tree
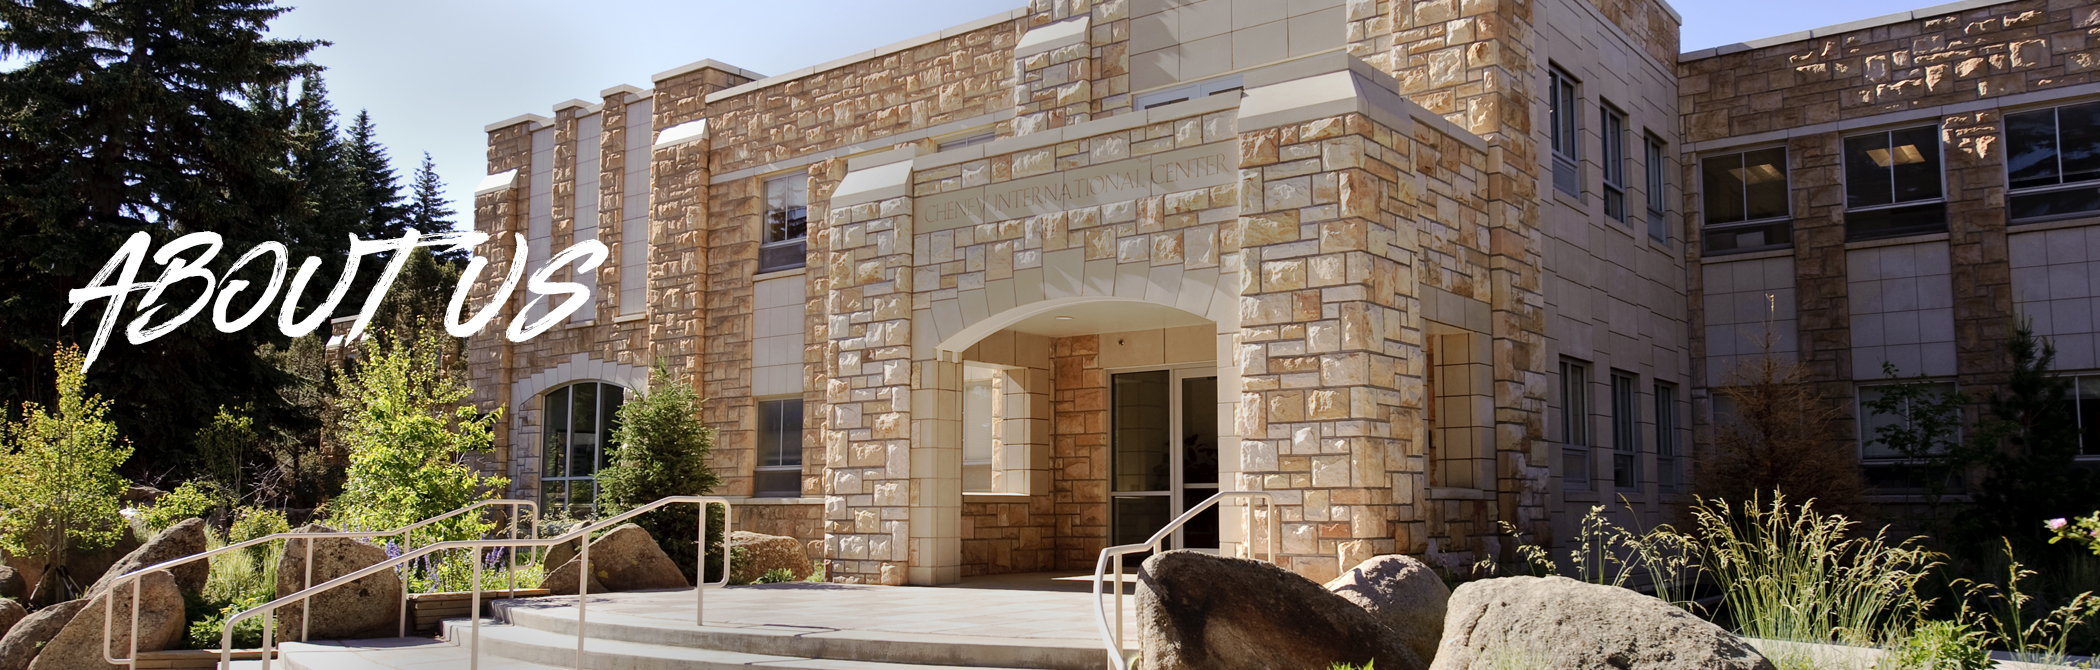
378 193
663 452
429 212
2033 475
166 118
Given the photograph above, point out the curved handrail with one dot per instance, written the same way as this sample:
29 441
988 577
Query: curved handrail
109 604
1113 640
582 577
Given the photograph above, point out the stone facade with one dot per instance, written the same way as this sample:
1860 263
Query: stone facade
1332 209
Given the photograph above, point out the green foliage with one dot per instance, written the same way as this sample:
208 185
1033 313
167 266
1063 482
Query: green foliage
2010 618
776 576
409 432
453 571
2083 531
1929 435
1605 553
224 448
2032 471
238 581
252 523
191 500
663 452
1791 573
1938 645
59 486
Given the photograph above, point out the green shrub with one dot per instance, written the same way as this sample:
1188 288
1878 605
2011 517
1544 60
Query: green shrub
59 487
663 452
409 431
1938 645
238 581
254 522
776 576
1791 573
191 500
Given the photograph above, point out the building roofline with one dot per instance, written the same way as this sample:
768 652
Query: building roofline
703 64
534 119
1849 26
878 52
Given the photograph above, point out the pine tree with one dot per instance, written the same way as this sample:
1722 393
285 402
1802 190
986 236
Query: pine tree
429 212
145 116
663 452
2033 475
378 194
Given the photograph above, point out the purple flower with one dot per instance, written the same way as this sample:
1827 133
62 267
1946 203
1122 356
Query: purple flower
2095 534
2055 524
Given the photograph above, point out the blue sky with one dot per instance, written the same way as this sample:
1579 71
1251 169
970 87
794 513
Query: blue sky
433 72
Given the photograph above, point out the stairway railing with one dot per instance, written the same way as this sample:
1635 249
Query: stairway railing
406 533
1112 639
583 589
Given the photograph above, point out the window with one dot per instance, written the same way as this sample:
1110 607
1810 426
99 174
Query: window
779 470
1575 425
985 137
2085 401
1564 125
980 411
1658 166
1745 199
1625 431
787 223
1892 184
2052 161
1614 159
577 428
1666 447
1870 421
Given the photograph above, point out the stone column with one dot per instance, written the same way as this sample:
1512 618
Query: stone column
499 211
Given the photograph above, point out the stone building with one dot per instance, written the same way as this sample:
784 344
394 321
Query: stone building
991 299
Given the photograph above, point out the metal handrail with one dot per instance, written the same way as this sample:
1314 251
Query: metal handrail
1113 640
583 583
135 576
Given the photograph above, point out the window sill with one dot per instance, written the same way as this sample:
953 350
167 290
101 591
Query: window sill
627 318
776 500
777 274
994 497
1707 257
1896 241
2080 220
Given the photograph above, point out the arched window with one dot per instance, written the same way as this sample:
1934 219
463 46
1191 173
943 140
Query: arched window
577 432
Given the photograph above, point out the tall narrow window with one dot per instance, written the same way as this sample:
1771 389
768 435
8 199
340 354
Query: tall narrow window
2085 404
1575 425
786 224
1613 157
981 414
1745 201
1892 184
1625 431
1564 124
779 470
2052 161
1666 447
1657 164
576 429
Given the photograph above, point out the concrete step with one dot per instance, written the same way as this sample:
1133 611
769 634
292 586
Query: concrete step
556 619
400 653
539 647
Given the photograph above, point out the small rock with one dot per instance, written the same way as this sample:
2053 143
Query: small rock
1557 622
11 584
626 559
160 626
182 539
1195 610
22 642
765 553
367 608
11 613
1404 594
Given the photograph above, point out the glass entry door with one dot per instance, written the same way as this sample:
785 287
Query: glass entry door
1163 441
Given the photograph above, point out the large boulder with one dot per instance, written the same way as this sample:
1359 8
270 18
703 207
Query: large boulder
366 608
764 553
626 559
80 645
12 584
11 613
182 539
1404 594
1556 622
22 642
1199 611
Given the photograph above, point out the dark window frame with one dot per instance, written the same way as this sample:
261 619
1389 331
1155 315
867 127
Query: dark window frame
1668 439
1625 430
1575 437
2061 184
1778 228
1926 215
1655 163
557 491
779 449
1611 136
1564 129
784 230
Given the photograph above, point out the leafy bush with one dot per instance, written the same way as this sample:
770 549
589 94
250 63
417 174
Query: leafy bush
663 452
191 500
1938 645
238 581
2083 531
409 432
776 576
453 571
59 486
254 522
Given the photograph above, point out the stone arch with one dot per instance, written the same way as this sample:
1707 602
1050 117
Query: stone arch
524 408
